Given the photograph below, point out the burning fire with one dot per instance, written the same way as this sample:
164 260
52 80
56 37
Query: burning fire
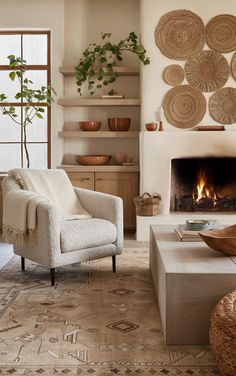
204 189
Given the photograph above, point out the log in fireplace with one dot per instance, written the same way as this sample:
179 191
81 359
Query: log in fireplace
203 185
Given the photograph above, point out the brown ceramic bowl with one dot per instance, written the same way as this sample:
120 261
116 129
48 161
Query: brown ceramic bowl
119 124
90 126
93 160
221 240
151 126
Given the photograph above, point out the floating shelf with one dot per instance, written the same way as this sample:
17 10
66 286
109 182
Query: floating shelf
106 168
98 134
122 71
98 102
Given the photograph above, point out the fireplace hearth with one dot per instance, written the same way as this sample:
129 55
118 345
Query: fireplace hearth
203 185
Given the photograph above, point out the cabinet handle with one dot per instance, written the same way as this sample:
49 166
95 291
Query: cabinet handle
99 179
84 179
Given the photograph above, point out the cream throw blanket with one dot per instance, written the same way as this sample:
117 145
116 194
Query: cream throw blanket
19 208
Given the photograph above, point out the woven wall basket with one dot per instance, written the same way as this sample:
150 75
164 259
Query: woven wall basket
179 34
221 33
222 105
184 106
233 66
208 71
173 75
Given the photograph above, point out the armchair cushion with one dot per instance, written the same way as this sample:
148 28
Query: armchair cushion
86 233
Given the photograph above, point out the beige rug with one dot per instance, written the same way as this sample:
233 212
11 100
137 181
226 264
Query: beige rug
93 322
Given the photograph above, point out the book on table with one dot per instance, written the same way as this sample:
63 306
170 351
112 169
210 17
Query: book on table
186 235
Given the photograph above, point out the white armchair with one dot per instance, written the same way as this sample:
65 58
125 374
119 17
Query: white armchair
61 243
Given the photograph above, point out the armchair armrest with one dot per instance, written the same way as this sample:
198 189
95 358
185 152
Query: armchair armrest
105 206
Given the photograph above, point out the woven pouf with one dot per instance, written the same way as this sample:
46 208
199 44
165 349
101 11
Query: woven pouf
223 334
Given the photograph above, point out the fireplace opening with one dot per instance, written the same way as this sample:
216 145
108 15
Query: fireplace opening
203 185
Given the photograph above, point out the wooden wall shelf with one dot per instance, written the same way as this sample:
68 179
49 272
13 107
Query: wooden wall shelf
106 168
98 134
98 102
122 71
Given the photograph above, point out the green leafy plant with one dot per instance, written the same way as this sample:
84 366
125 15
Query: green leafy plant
97 66
33 100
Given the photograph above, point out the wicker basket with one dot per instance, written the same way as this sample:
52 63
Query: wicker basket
223 334
147 205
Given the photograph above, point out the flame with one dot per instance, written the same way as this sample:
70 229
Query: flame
203 189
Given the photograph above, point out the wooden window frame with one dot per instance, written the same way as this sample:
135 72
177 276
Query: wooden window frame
46 68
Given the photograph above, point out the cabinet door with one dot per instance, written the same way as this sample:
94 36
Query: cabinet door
82 179
124 185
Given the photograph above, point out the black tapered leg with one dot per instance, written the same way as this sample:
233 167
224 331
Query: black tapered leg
22 263
114 264
52 276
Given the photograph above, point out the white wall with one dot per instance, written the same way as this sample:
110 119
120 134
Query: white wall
42 14
153 86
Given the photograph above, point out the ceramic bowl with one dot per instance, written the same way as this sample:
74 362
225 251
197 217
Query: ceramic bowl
90 126
197 224
223 240
93 160
151 126
119 124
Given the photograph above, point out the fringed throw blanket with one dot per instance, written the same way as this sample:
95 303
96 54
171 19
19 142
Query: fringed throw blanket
19 207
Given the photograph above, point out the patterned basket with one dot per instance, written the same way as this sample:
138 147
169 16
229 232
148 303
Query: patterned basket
147 205
223 334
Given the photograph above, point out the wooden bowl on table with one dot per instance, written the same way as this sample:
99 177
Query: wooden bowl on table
93 160
90 126
119 124
223 240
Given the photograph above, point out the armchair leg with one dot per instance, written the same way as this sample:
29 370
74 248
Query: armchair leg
52 270
114 264
22 263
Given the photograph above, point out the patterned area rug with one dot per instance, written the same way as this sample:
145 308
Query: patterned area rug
93 322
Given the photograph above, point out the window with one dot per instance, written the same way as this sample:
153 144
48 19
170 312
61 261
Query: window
34 47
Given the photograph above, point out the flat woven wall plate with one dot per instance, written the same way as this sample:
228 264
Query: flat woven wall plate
173 75
179 34
222 105
208 71
184 106
233 66
221 33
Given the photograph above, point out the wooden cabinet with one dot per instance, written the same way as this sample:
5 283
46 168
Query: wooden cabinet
82 179
124 185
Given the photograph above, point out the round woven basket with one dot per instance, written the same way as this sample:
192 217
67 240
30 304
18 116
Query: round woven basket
184 106
223 334
208 71
221 33
173 75
233 66
222 105
180 34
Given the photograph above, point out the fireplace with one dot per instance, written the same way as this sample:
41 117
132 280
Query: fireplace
159 150
203 185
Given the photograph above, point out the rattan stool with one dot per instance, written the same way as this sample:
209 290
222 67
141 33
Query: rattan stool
223 334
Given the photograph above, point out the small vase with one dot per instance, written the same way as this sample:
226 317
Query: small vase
161 127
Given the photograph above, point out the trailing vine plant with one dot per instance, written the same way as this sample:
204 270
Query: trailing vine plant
97 66
32 98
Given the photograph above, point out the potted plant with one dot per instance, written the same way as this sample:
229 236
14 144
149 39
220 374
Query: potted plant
97 66
33 99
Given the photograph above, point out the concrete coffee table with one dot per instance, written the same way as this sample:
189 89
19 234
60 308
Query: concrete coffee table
189 280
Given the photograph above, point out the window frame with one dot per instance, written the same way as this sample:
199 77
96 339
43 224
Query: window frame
33 67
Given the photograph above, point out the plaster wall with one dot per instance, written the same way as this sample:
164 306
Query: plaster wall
153 86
